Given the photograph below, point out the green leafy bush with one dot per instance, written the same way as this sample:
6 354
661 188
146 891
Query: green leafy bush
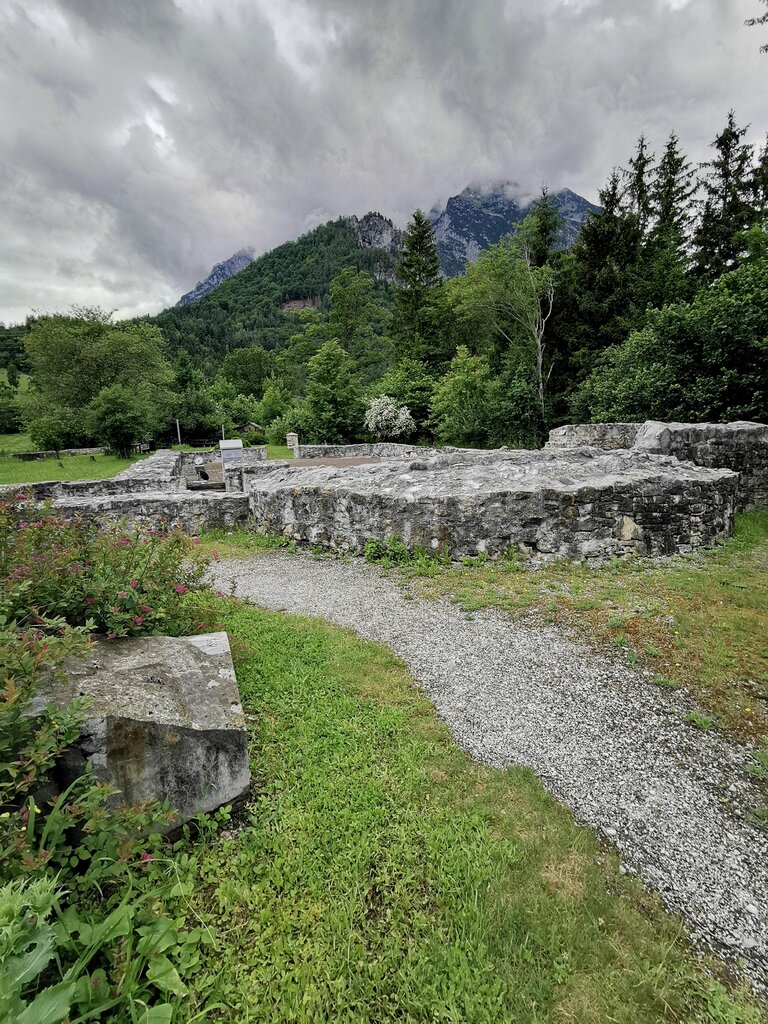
122 582
84 932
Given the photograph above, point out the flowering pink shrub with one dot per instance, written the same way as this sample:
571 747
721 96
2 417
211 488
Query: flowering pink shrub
122 582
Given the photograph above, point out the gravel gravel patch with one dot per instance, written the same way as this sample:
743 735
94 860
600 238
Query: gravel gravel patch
597 732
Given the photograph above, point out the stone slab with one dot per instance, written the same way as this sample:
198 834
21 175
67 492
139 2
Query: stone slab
164 721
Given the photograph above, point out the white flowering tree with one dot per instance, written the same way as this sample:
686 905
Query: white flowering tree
385 419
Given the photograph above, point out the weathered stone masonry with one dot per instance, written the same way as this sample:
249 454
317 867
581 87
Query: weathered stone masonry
741 446
590 505
595 491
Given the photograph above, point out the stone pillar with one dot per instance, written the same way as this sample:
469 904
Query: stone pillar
233 478
292 441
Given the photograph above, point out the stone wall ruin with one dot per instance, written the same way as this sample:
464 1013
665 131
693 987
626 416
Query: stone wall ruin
595 491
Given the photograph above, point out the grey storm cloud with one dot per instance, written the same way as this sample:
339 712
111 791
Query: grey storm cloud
143 140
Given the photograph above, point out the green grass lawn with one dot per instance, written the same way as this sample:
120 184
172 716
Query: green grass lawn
10 443
75 467
379 875
279 451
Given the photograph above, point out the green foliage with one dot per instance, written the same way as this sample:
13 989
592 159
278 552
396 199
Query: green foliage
119 418
704 360
12 375
392 552
334 403
291 422
248 369
507 299
759 766
420 325
58 427
275 402
246 309
74 358
82 934
120 582
10 415
728 208
539 231
357 320
409 383
462 402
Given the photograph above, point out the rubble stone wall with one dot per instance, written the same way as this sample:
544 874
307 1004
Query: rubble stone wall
608 436
379 450
193 511
673 489
583 505
741 446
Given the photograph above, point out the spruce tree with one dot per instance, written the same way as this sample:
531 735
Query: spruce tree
665 254
727 209
761 20
334 396
419 326
672 192
760 185
540 230
639 184
599 281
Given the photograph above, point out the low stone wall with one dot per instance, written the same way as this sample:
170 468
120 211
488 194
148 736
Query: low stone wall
40 456
674 490
576 505
380 450
741 446
608 436
192 511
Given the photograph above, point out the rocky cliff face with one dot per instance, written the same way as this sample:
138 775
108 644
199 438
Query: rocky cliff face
374 231
482 214
221 272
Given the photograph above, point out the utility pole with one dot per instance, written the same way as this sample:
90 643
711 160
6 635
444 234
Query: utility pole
178 432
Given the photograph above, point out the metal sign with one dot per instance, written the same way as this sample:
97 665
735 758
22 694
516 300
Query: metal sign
231 452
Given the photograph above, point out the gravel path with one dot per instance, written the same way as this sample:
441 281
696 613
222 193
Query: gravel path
602 738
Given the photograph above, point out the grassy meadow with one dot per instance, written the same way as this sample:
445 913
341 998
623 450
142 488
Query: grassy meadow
75 467
377 874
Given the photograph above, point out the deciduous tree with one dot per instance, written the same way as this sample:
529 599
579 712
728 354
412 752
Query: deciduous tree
334 396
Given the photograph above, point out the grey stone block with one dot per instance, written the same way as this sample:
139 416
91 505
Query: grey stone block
164 722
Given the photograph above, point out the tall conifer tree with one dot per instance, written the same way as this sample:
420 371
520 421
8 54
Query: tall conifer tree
728 208
666 255
418 323
639 184
540 229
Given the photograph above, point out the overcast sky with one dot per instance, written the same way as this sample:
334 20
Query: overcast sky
141 141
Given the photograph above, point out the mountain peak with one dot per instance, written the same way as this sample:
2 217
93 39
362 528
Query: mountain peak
220 272
484 212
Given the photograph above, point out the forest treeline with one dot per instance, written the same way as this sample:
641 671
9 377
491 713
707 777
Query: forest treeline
660 310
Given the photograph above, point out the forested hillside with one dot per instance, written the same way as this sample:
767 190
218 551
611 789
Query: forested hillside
246 309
